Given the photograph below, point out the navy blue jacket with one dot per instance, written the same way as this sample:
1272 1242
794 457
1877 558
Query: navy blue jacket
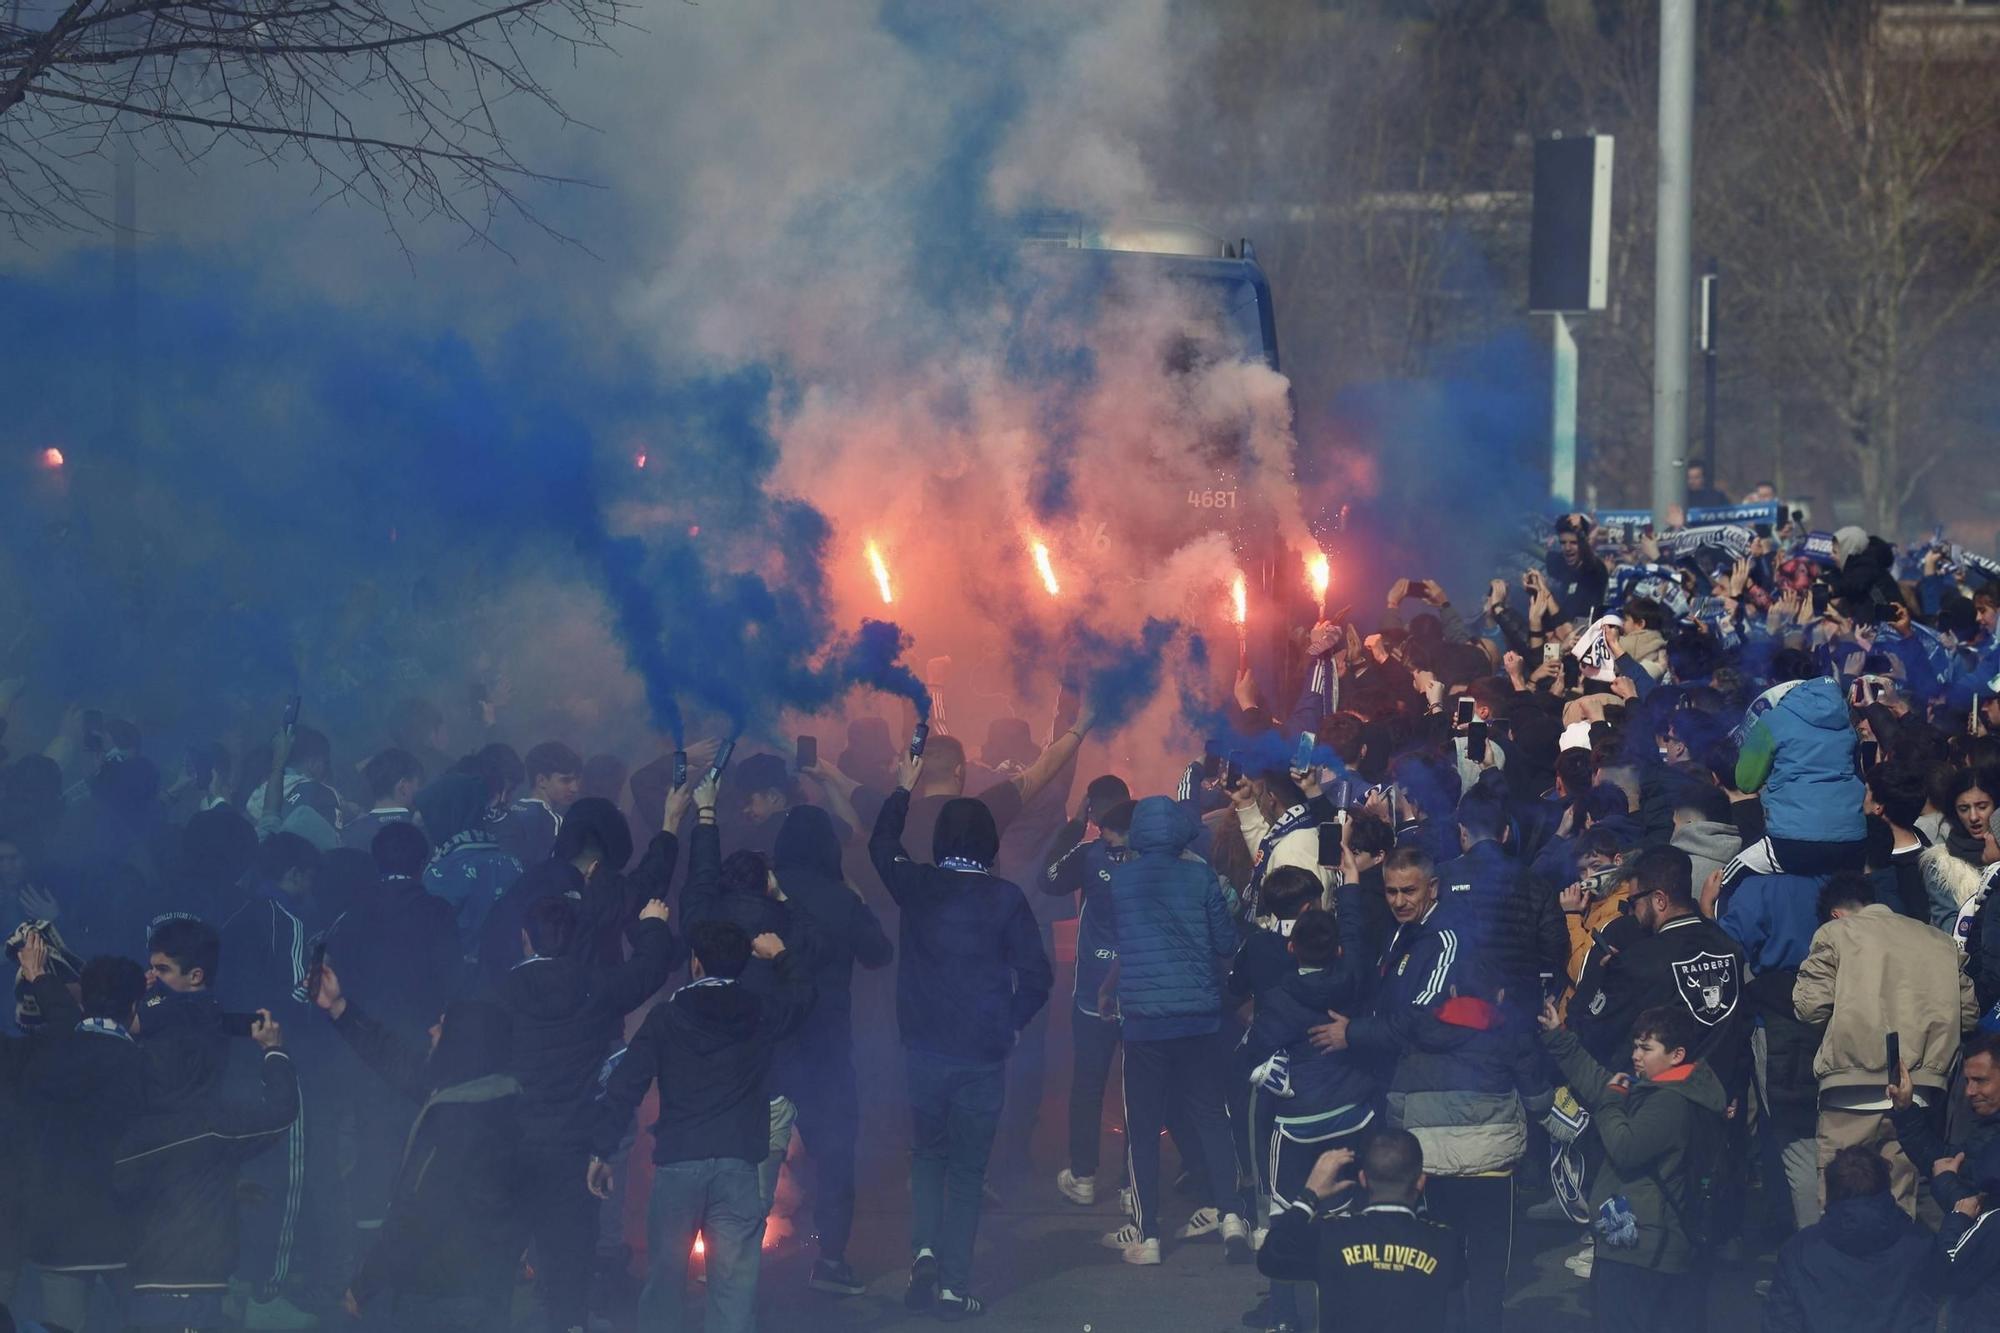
1517 927
1421 963
1863 1266
971 971
1085 869
1173 920
1321 1081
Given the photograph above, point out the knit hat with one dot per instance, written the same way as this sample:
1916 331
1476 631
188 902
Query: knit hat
1850 541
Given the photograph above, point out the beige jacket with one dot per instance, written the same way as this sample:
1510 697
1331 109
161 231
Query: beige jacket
1873 972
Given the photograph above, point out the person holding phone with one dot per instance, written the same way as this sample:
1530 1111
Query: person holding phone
1873 974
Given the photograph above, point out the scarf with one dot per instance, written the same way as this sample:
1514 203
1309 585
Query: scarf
1289 822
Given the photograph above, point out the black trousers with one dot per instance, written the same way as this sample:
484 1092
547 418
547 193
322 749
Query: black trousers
562 1221
1185 1072
1480 1209
829 1124
1096 1042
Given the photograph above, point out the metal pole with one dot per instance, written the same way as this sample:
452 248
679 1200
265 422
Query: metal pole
1711 288
1562 434
1672 265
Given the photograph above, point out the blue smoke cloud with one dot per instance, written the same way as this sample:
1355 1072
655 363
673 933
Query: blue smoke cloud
307 499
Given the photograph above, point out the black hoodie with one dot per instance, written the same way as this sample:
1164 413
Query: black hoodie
845 929
454 1225
568 1017
710 1047
79 1092
1861 1266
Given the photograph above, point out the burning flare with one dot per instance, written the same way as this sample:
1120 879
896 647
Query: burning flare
1045 569
1319 573
881 569
1239 600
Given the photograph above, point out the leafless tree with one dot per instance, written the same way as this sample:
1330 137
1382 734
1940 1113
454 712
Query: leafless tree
398 104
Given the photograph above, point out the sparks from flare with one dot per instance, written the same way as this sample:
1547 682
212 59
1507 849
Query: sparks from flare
1239 599
1045 569
881 570
1319 572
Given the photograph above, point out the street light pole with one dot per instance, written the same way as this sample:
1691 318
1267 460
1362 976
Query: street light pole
1672 265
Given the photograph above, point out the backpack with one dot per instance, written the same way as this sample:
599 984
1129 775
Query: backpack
1698 1209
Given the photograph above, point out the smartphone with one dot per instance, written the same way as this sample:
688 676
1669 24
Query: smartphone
1552 651
1343 793
93 729
1211 766
1475 741
1572 673
1232 774
1302 754
236 1025
1870 752
1895 1054
1821 594
808 753
1329 844
680 769
291 714
315 973
1463 717
722 758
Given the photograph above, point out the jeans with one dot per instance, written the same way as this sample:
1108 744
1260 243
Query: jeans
1096 1041
1186 1071
829 1124
562 1218
954 1112
783 1114
718 1197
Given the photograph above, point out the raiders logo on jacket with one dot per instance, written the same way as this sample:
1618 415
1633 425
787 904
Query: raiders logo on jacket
1688 963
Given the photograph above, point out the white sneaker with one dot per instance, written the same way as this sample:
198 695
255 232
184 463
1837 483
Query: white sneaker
1580 1262
1257 1237
1122 1237
1236 1240
1079 1190
1205 1222
1144 1253
1125 1200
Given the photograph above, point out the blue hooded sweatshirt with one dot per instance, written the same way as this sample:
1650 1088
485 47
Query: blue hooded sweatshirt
1814 792
1173 926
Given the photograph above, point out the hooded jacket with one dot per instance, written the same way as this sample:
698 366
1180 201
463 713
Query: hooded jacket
567 1018
455 1225
1862 1268
1813 792
971 970
1711 845
710 1047
1875 971
845 930
176 1170
1467 1073
1658 1137
53 999
1173 920
1323 1084
1951 881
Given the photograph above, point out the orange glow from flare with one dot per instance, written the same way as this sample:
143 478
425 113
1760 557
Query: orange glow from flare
52 458
881 570
1319 572
1239 598
1046 570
